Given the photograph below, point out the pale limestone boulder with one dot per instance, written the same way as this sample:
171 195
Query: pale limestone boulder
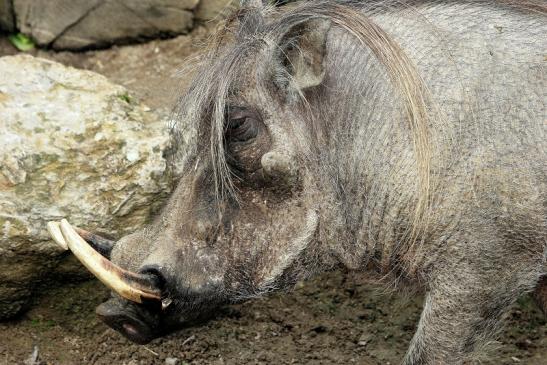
77 24
75 146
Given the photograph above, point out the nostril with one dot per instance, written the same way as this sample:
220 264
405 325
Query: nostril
156 274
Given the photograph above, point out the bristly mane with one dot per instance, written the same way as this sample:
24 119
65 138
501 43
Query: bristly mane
250 28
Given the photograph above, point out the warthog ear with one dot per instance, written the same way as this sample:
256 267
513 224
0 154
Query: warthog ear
302 53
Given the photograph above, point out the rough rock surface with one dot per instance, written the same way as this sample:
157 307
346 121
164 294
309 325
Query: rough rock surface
75 24
6 16
78 24
72 145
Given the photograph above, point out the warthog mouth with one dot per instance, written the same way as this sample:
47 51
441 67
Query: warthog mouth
134 287
137 323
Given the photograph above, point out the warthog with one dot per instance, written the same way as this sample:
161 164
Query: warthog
407 139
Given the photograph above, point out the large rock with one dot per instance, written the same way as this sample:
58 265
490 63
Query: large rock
6 16
76 24
72 145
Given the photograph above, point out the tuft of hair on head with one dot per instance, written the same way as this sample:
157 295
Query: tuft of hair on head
251 20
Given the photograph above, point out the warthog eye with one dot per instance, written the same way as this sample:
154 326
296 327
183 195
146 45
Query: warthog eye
241 128
246 139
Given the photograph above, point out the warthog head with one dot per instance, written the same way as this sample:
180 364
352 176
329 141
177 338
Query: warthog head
264 158
243 219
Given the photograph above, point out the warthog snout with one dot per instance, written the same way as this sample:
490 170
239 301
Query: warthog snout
137 312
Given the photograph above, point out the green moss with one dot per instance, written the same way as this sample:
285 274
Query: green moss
125 97
21 42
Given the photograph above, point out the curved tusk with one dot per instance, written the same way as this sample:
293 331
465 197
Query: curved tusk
54 230
98 243
102 245
131 286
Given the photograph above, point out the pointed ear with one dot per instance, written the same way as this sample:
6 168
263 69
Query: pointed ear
302 51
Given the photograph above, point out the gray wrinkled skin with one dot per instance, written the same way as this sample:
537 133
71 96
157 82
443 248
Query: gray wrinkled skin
332 176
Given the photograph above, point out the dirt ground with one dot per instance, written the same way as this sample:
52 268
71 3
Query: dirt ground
338 318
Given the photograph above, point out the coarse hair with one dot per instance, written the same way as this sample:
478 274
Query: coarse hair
253 26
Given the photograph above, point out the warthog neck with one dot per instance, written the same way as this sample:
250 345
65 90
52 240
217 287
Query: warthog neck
368 158
370 166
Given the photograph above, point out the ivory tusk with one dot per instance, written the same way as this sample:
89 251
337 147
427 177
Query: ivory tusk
100 244
54 230
129 285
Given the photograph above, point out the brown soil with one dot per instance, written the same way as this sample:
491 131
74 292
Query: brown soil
335 319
